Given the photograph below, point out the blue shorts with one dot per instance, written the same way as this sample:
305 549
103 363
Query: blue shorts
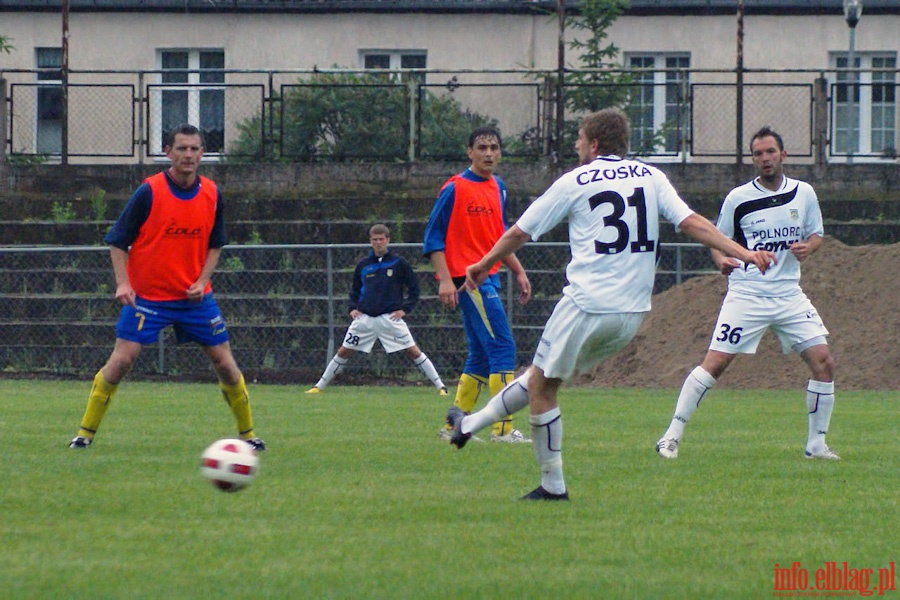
491 345
199 322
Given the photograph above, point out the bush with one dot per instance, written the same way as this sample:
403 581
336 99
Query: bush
347 116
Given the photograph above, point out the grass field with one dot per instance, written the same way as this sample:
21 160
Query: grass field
357 498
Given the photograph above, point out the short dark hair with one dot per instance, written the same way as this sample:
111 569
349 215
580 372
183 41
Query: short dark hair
611 127
379 229
484 131
184 129
767 132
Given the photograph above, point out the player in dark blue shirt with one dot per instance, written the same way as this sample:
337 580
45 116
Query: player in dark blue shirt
384 290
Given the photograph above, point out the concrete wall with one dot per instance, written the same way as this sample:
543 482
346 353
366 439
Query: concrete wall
374 182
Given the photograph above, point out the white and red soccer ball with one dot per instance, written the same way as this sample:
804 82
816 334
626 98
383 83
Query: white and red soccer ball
230 464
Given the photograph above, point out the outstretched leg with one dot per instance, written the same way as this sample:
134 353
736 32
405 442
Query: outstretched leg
510 400
424 364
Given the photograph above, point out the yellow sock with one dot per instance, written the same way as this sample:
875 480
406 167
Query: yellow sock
467 392
238 399
498 381
101 394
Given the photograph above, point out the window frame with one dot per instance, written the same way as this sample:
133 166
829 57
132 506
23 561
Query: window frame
862 108
395 61
54 88
195 86
660 82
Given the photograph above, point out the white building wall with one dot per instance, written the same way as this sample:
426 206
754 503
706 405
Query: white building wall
300 41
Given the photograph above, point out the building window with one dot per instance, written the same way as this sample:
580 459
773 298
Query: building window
49 121
658 109
865 106
394 60
192 92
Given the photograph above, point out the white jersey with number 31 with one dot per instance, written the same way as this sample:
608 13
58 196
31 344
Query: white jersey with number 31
613 207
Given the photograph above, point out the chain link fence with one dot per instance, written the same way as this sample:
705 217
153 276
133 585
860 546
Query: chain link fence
285 306
789 106
221 110
95 111
337 115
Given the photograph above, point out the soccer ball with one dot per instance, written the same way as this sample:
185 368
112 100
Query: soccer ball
230 465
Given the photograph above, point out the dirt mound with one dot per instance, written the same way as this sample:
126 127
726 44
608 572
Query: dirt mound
855 289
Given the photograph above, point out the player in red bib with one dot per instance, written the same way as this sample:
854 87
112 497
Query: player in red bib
468 217
164 248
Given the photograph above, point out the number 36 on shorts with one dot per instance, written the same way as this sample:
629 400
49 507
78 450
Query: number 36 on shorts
729 334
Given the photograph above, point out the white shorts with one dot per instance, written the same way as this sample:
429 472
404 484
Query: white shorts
364 330
743 319
573 341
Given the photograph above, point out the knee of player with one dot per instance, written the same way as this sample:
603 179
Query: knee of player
716 362
119 364
225 366
823 367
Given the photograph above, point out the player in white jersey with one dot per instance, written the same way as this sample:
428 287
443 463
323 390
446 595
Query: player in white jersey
781 215
613 206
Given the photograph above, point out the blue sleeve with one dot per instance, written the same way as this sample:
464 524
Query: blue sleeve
218 237
355 288
126 228
439 221
412 287
503 200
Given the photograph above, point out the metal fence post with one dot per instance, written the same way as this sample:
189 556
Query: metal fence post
820 120
329 267
560 82
268 142
678 265
64 146
683 127
3 131
739 89
142 105
412 87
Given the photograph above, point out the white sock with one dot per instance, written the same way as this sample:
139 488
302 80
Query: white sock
819 404
511 399
546 435
335 366
695 386
428 369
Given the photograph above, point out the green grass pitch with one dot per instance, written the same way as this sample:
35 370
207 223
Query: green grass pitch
357 498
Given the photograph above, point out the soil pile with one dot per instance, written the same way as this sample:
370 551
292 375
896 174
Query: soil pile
856 290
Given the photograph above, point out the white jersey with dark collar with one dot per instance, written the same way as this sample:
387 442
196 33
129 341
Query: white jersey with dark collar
613 206
760 219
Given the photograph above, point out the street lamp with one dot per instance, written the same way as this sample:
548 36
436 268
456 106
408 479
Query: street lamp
852 13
